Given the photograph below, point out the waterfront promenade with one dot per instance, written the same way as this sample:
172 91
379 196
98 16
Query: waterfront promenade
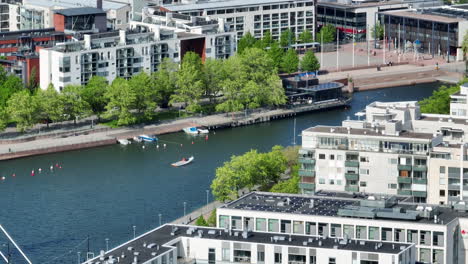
364 79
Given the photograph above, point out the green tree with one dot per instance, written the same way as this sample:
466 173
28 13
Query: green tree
247 171
306 36
290 62
276 53
189 84
465 51
290 185
9 85
247 41
145 94
326 34
94 94
265 42
50 104
439 101
291 155
232 85
287 38
121 101
201 221
3 118
377 31
164 81
310 62
214 74
23 109
212 219
74 106
32 82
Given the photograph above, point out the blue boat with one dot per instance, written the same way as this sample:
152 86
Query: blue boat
148 138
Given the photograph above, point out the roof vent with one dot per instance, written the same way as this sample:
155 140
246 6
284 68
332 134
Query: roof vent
130 248
332 130
320 243
152 245
419 208
153 254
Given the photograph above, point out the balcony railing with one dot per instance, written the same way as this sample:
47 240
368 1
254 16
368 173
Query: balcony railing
419 168
404 167
352 176
307 161
420 180
308 173
404 192
351 188
404 180
352 163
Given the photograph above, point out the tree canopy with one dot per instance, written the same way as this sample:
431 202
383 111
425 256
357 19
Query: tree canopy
309 62
439 101
306 36
247 41
378 31
164 81
326 34
290 62
94 94
121 101
247 171
23 110
287 38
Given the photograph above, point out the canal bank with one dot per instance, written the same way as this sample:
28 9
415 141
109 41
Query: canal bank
103 192
75 141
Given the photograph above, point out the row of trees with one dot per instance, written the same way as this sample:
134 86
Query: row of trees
247 80
256 170
283 58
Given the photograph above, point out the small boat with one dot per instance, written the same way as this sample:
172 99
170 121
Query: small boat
124 141
148 138
196 130
137 139
182 162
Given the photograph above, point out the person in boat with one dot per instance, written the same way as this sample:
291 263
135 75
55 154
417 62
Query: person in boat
184 159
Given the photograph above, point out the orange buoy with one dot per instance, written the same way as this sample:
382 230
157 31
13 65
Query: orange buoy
32 173
193 143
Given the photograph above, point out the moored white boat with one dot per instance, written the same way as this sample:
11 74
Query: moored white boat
182 162
196 130
124 141
148 138
137 139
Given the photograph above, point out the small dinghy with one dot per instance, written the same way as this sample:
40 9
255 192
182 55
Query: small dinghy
182 162
124 141
147 138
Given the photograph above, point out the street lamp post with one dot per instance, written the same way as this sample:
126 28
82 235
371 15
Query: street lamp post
159 219
134 231
207 196
79 257
107 244
185 205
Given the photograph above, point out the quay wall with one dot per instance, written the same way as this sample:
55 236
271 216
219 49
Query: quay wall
54 149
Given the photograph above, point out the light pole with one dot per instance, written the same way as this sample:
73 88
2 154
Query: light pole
107 244
207 196
160 215
185 205
79 257
134 231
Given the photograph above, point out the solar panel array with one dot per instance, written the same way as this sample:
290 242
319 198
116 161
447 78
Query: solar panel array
447 12
291 204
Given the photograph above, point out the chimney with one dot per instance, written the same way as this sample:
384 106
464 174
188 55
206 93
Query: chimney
99 4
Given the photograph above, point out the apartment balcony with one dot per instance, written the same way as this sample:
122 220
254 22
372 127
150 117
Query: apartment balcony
419 194
352 176
404 192
352 188
307 173
307 161
419 168
419 180
404 167
308 186
404 180
352 163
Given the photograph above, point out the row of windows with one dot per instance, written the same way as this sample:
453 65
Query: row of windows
419 237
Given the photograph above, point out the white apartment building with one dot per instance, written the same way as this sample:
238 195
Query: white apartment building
9 16
125 53
172 244
438 232
37 14
256 17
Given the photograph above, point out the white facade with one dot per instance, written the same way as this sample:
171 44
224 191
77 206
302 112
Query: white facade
255 17
123 54
439 241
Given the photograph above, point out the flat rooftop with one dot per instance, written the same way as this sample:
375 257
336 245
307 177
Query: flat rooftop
426 15
444 119
367 132
106 5
361 5
221 4
329 203
80 11
160 238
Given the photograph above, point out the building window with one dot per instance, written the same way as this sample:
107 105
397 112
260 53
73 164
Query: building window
260 224
236 222
364 171
331 260
442 193
273 225
321 181
332 182
338 182
363 184
373 233
339 157
364 159
332 157
261 256
225 254
392 185
278 258
322 156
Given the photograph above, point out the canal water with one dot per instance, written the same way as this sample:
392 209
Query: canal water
104 192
